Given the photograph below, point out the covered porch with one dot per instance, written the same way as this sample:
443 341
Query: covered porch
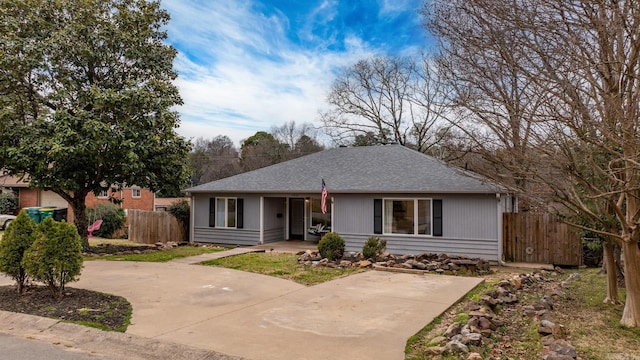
293 217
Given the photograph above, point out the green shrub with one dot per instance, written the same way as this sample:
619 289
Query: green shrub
19 237
55 258
8 202
181 211
374 248
112 216
331 246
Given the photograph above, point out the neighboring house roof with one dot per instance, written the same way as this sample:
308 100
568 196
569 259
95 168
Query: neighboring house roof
366 169
170 201
12 181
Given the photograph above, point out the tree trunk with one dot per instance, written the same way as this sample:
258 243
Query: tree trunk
80 219
611 271
617 256
631 313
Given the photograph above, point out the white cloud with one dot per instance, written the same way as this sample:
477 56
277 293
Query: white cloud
239 73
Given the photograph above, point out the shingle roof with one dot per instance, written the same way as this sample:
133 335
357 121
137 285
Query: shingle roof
366 169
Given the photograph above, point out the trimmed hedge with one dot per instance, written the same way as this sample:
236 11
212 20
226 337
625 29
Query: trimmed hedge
55 258
18 238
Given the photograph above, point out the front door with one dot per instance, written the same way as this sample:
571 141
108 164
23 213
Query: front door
296 218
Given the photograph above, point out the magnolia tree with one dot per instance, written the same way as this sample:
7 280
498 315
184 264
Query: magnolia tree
575 70
87 96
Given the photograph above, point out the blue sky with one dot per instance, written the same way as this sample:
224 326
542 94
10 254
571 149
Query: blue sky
247 65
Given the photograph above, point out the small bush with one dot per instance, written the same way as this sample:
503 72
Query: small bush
331 246
8 202
374 248
112 216
55 258
181 211
19 237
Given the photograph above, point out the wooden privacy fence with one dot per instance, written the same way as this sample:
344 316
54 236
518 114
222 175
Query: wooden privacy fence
540 238
150 227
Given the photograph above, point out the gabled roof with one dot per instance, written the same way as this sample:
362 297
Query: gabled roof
365 169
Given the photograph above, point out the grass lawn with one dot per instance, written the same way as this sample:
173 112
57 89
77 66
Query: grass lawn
593 326
284 266
161 256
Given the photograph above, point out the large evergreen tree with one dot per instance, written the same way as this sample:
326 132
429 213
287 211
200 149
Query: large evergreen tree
86 96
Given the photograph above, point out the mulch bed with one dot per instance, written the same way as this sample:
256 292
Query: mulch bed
108 312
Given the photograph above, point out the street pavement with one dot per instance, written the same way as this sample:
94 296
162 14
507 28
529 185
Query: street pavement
14 348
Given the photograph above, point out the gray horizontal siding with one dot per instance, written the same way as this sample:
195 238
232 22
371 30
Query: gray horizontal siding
242 237
468 216
251 210
273 235
482 248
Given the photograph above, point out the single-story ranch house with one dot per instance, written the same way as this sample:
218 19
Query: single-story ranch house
415 202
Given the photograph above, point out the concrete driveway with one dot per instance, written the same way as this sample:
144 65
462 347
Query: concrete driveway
364 316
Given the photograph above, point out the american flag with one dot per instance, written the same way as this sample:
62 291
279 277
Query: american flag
323 202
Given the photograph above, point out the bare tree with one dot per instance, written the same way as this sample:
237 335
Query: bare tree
387 99
493 99
300 139
580 61
213 159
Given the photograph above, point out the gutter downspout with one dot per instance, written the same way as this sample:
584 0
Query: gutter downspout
499 216
261 220
192 220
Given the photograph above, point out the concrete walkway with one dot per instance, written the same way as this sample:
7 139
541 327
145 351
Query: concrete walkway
216 310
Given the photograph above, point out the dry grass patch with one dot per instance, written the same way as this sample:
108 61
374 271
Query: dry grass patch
95 241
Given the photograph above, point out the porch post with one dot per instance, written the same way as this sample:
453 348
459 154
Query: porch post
261 219
333 224
286 223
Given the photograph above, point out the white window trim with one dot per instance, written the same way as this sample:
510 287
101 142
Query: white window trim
133 195
226 212
415 217
106 194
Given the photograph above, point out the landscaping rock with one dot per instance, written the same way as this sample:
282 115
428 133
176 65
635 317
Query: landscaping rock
437 340
453 329
547 323
456 347
420 266
561 347
435 350
484 323
545 331
474 356
364 263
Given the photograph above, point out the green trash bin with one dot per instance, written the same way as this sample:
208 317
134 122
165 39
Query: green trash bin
34 213
46 212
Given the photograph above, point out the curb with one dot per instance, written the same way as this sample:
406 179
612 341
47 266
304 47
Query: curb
113 345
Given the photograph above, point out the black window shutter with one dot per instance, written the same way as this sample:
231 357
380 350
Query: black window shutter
437 217
377 216
240 213
212 212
